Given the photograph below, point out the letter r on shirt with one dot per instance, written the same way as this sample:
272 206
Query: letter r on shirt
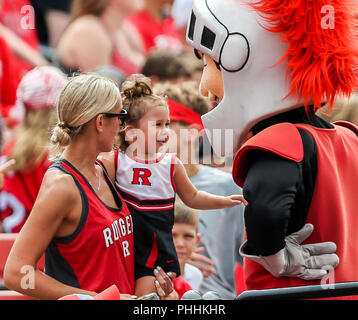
141 175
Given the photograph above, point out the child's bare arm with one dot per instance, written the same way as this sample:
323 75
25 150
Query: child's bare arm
200 199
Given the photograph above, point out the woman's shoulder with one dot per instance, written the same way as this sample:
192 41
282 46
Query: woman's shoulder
87 22
58 182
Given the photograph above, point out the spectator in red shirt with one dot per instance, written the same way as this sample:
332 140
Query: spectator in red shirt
10 76
37 94
17 26
156 28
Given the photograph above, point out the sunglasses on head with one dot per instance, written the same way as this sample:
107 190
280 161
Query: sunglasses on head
121 115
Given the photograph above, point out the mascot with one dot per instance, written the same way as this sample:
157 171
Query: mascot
269 66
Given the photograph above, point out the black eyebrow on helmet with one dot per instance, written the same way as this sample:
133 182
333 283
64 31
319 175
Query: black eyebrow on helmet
192 26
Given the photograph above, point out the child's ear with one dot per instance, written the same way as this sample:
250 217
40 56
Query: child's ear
130 132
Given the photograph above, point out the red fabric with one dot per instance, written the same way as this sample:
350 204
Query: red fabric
333 210
10 76
96 262
118 60
181 286
179 112
19 193
283 139
123 64
239 279
12 17
153 254
156 34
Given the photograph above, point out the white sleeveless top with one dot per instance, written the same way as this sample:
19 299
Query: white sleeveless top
143 183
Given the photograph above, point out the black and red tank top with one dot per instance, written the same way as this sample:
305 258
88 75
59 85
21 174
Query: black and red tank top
100 252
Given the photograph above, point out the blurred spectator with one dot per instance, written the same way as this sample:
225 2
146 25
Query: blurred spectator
10 76
186 239
180 12
156 27
113 73
192 64
90 40
52 18
17 27
162 65
37 94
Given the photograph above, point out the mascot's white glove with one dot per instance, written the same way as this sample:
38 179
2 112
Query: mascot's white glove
305 262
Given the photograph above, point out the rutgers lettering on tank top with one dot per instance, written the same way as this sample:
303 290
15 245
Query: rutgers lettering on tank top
100 252
146 185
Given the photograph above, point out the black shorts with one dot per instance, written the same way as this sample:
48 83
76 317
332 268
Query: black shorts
153 246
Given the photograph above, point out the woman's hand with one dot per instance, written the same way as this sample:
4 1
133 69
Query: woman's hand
164 284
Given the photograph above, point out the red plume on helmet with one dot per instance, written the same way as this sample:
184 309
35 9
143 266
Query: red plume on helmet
322 45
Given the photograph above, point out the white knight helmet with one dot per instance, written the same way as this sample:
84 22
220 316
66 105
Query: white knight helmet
256 86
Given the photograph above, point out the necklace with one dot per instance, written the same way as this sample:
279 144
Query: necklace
99 181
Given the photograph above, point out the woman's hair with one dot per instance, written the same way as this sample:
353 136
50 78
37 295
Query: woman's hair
137 99
87 7
185 93
185 214
32 141
84 97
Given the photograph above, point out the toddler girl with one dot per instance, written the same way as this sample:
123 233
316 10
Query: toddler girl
148 179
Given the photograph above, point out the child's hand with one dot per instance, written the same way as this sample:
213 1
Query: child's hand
235 200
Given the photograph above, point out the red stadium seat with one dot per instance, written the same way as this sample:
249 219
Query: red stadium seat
6 242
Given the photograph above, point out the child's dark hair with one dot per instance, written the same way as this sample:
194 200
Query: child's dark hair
137 98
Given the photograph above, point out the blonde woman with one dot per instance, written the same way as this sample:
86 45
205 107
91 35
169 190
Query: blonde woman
79 219
77 207
37 94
